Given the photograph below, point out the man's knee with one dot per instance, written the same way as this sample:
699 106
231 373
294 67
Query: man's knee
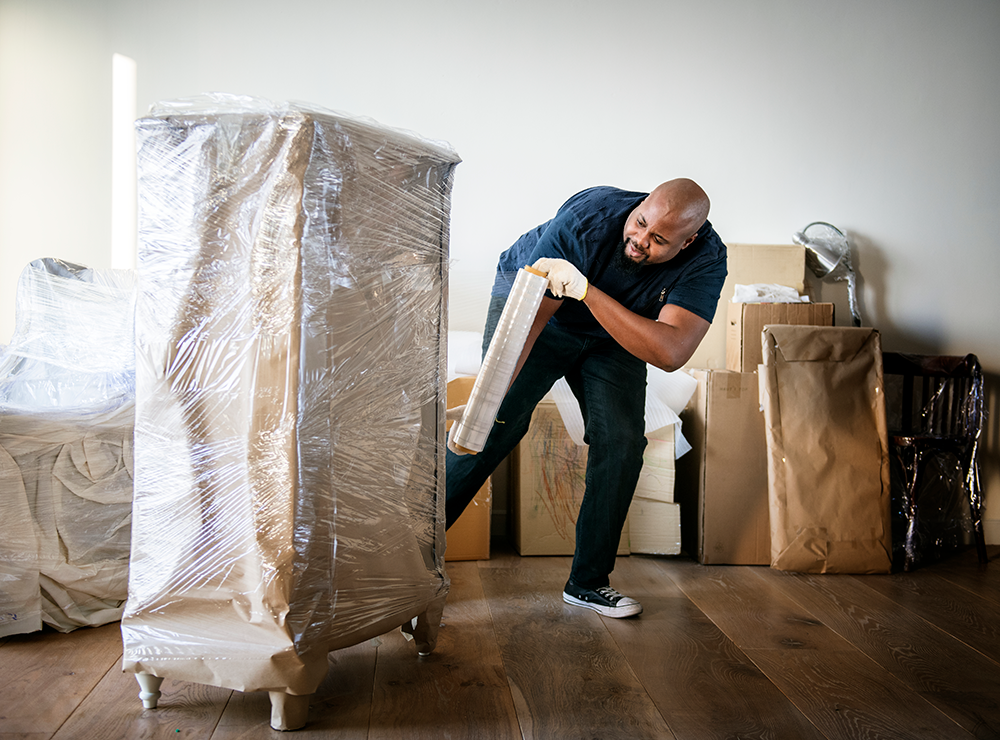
626 441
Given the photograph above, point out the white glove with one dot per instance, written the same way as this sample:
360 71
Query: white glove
455 413
564 278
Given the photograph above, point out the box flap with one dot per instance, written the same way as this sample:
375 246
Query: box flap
792 343
780 264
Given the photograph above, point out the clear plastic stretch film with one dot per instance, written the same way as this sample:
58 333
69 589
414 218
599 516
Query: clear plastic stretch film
501 359
290 362
936 414
73 341
67 390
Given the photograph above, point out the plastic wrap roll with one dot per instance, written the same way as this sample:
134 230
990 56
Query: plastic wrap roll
501 359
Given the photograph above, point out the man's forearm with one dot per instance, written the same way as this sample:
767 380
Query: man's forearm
657 342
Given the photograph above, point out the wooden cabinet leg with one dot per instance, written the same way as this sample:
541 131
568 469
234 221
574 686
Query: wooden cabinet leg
149 689
423 629
288 711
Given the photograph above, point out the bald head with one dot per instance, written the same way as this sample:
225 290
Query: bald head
666 222
685 201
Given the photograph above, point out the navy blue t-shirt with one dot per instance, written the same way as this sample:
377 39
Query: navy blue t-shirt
587 230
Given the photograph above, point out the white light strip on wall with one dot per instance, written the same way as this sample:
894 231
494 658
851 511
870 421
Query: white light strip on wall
123 178
501 359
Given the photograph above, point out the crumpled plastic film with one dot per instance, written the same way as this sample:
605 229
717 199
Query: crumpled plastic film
72 346
67 384
767 293
936 429
290 390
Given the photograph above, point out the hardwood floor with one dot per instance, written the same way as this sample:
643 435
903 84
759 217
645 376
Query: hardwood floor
719 652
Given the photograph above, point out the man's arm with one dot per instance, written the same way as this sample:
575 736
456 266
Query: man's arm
666 343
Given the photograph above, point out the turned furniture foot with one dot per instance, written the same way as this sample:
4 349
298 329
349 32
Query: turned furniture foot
149 689
423 629
288 711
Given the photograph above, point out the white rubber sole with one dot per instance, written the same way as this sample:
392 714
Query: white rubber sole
615 612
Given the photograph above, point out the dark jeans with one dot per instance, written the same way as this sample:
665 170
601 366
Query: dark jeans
610 384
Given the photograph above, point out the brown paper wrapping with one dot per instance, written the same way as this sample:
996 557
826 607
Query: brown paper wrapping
67 395
290 393
827 449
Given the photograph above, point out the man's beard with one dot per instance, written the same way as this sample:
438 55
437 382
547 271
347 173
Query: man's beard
623 263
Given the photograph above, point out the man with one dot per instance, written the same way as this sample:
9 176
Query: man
633 278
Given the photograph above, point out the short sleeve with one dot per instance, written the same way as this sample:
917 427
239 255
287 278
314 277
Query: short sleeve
700 289
561 239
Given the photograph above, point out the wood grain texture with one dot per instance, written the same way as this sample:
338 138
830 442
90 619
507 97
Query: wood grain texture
341 706
567 675
702 684
719 652
965 616
956 679
827 675
459 690
753 615
965 570
848 697
113 710
64 668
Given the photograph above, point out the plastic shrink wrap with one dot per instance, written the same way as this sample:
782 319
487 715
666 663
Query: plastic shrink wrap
291 331
936 413
67 390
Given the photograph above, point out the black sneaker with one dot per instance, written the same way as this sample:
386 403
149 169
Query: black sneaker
604 600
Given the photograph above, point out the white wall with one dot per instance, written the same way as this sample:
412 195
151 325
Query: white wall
877 116
55 138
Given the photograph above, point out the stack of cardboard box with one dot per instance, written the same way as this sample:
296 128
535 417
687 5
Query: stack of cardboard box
548 482
549 473
655 518
722 481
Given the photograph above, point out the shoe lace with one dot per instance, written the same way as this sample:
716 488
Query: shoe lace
608 593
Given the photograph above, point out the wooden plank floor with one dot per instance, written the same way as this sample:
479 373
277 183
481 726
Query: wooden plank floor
719 652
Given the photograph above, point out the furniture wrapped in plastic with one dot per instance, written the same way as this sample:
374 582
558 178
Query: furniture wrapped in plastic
291 331
936 410
67 390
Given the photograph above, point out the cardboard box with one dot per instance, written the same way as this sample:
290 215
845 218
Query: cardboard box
469 537
549 475
722 481
827 450
654 519
656 479
779 264
746 321
654 527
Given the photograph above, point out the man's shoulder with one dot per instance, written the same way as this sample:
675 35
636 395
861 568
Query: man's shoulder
709 244
598 211
601 198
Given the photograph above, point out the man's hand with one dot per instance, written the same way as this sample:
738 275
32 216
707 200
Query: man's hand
564 278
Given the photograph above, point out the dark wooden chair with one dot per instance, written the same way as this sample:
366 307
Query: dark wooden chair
935 413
